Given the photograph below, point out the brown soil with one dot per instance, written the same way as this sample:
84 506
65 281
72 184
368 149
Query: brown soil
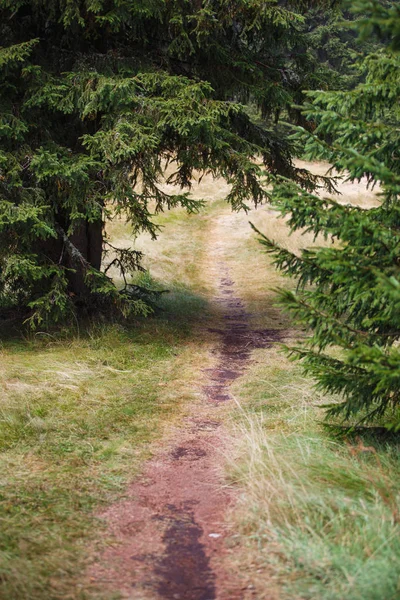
169 536
237 341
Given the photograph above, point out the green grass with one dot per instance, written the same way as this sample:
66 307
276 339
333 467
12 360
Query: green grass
79 412
77 415
318 514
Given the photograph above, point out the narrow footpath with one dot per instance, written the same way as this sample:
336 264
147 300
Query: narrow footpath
169 531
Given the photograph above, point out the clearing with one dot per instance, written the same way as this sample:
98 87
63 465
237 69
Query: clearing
181 457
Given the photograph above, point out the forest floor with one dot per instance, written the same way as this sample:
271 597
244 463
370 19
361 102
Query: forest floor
183 457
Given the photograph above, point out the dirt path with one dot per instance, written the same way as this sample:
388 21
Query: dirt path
170 535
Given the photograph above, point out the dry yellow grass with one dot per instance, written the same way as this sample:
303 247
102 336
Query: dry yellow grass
355 193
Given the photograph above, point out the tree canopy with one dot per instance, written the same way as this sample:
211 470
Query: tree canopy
98 95
95 97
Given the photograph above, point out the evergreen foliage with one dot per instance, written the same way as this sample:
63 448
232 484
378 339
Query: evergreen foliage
348 293
96 97
326 55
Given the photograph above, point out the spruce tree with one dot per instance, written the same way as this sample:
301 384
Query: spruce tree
348 294
96 97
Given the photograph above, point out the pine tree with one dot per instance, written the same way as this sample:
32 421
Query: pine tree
348 294
96 96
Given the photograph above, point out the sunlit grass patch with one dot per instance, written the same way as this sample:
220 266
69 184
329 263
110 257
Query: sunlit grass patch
318 515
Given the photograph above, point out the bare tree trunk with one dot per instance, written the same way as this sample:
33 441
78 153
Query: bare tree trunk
77 252
88 240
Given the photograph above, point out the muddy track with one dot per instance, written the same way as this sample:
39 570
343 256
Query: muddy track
169 534
237 340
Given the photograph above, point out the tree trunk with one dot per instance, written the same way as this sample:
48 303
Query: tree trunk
88 240
83 247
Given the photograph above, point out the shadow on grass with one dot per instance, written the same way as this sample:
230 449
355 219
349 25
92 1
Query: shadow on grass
174 313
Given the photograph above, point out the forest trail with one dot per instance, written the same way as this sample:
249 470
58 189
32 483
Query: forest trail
159 458
169 532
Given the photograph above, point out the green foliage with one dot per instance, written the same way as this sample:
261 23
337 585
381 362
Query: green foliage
97 96
348 293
